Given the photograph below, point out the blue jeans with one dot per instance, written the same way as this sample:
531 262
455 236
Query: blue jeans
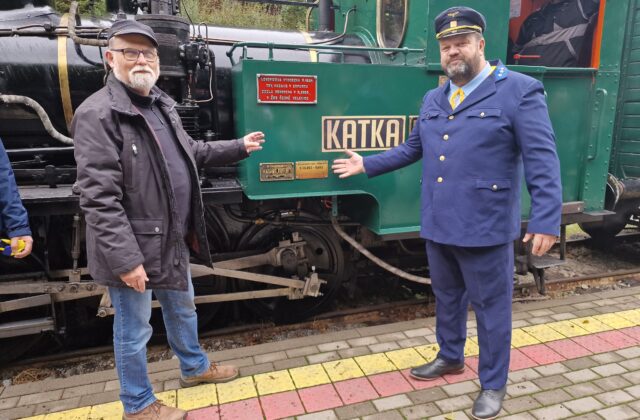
131 332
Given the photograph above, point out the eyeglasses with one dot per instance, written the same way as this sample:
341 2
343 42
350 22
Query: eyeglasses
132 54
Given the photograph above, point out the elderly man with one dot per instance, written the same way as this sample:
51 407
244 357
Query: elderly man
474 134
138 176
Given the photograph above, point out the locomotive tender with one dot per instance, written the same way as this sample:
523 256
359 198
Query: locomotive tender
355 80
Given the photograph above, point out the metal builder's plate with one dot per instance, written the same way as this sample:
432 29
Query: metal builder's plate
282 171
313 169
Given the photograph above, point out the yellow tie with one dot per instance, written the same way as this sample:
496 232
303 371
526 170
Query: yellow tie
457 98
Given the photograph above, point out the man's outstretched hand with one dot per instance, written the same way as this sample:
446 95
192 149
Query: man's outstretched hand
354 165
253 141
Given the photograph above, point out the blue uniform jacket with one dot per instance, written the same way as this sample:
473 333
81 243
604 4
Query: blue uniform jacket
13 217
473 160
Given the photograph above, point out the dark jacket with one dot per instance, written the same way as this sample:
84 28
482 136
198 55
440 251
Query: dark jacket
13 217
126 194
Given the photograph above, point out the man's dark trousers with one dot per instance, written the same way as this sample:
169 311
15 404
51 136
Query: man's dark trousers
482 276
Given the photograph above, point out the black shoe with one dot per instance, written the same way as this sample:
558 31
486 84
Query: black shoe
435 369
488 404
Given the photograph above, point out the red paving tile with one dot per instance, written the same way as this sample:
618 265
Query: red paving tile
467 375
281 405
391 383
318 398
241 410
594 344
417 384
472 363
207 413
633 332
353 391
520 361
541 354
618 339
568 349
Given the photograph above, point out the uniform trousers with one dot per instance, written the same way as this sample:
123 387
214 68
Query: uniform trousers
132 331
482 276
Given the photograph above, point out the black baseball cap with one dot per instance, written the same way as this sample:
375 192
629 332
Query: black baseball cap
125 27
459 20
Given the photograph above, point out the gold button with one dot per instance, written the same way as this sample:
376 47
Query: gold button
440 179
442 158
451 117
446 137
482 115
494 187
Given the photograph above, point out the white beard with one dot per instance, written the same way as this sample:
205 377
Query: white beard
140 78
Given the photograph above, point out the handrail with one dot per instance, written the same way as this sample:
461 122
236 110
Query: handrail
271 46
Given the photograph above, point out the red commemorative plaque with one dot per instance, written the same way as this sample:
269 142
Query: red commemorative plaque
287 89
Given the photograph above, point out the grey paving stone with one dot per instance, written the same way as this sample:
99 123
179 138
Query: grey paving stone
633 390
585 305
586 312
583 389
396 336
521 315
322 357
56 406
419 332
612 382
522 388
633 377
336 345
460 388
18 412
589 416
426 395
580 363
255 369
542 312
553 396
387 415
454 404
412 342
363 341
519 323
22 389
520 404
554 412
355 410
551 382
613 397
290 363
79 391
103 397
356 351
563 316
582 375
321 415
604 358
420 411
523 375
41 397
382 347
269 357
6 403
583 405
631 364
519 416
540 320
111 385
630 352
172 384
302 351
552 369
620 412
391 403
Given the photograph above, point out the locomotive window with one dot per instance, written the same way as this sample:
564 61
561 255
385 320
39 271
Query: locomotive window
391 22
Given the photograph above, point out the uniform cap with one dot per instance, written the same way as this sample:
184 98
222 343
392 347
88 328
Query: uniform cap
459 20
125 27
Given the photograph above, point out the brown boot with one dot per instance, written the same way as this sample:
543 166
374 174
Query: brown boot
157 411
215 375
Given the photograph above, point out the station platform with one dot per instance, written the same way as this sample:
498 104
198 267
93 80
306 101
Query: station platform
576 357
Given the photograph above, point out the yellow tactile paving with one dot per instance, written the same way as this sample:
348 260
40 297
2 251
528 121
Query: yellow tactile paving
568 329
375 363
428 351
405 358
614 321
167 397
471 347
543 333
109 411
197 397
240 389
81 413
632 315
591 324
272 382
520 338
307 376
339 370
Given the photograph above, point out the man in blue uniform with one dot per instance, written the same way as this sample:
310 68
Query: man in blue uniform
474 135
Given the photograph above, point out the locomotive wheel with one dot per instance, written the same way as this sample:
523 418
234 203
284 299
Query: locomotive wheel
323 251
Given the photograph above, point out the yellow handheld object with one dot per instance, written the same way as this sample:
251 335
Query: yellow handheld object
6 250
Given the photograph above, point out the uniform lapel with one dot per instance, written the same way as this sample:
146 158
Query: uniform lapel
442 98
486 89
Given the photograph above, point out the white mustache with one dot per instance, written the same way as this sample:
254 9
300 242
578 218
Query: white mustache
141 69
